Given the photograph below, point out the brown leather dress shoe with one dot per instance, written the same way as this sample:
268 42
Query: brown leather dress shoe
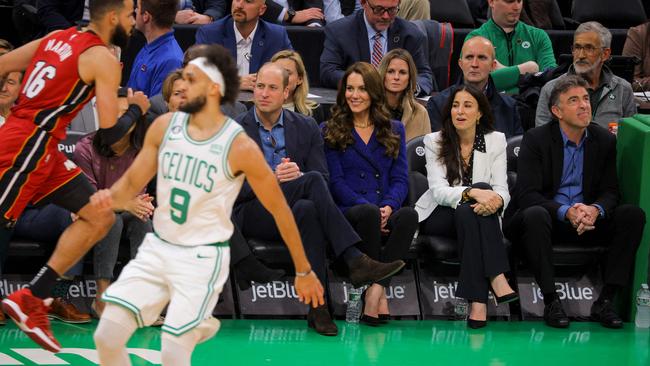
320 320
365 270
64 311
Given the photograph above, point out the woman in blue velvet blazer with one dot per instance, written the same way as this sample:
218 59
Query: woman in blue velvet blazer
366 157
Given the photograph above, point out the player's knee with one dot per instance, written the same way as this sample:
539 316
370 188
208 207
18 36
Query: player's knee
104 340
102 221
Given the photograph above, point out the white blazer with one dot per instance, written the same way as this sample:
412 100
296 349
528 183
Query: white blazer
489 167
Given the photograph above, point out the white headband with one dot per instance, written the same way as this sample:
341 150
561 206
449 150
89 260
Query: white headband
212 71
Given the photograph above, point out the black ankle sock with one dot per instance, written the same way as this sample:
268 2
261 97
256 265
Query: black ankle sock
43 283
61 288
350 254
608 293
550 297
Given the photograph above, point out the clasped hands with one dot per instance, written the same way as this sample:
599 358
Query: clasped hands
487 203
582 217
287 170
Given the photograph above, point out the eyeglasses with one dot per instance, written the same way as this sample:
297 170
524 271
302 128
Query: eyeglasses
589 49
380 10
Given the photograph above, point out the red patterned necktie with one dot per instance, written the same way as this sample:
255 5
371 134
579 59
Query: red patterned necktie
377 50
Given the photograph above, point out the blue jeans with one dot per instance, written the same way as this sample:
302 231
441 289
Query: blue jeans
106 250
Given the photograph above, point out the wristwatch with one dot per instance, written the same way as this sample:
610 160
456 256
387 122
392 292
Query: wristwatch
290 14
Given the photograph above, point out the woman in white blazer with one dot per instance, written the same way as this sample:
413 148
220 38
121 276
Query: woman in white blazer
468 191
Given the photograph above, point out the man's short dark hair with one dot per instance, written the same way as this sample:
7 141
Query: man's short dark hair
98 8
220 57
163 12
563 84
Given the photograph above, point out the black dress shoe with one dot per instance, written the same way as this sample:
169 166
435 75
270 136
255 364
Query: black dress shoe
365 270
476 324
603 312
554 315
320 320
251 269
370 320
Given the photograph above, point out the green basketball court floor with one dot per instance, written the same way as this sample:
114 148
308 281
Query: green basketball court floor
289 342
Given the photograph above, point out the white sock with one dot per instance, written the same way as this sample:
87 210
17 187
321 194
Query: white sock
115 328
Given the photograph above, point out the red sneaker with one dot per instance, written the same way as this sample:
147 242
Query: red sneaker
30 314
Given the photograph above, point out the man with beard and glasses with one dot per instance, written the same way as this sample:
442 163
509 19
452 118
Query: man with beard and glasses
250 40
62 72
184 263
611 97
162 54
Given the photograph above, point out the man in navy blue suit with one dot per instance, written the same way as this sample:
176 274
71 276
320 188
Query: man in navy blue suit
293 148
368 35
250 40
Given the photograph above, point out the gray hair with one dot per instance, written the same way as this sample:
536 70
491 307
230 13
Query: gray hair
563 84
603 33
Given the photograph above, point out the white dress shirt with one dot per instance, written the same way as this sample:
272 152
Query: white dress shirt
244 50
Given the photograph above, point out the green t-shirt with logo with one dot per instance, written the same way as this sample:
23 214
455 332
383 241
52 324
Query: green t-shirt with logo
525 43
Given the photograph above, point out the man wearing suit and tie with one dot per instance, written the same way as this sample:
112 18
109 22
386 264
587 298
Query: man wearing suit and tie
250 40
567 190
367 35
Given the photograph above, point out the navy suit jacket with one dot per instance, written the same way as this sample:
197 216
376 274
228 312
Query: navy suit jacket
365 174
504 110
302 140
346 42
269 39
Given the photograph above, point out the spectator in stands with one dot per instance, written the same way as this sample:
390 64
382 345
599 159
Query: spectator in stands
300 12
293 148
200 11
103 165
520 48
298 85
9 85
477 60
468 192
611 97
397 70
567 190
414 9
638 44
61 14
366 157
162 54
250 40
367 36
173 90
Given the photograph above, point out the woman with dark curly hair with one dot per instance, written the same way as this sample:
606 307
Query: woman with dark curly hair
468 191
366 156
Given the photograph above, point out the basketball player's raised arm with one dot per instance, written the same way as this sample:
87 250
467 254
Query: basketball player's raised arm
246 157
18 59
99 66
139 173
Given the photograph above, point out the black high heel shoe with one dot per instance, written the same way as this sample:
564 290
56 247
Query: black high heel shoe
513 296
367 319
384 318
476 324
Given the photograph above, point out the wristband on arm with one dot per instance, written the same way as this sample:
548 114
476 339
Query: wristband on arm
124 123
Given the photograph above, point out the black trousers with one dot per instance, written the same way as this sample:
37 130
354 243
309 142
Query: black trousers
366 220
319 221
480 246
535 229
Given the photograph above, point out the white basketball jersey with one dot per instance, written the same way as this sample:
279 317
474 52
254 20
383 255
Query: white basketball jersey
196 189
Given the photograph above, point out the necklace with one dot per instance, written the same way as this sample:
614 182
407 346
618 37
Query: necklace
362 126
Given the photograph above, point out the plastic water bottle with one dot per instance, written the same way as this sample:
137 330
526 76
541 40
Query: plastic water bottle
642 319
353 311
460 309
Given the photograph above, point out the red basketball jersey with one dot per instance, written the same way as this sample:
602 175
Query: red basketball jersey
52 92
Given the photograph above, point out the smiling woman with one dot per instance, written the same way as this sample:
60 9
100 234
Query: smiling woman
366 157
